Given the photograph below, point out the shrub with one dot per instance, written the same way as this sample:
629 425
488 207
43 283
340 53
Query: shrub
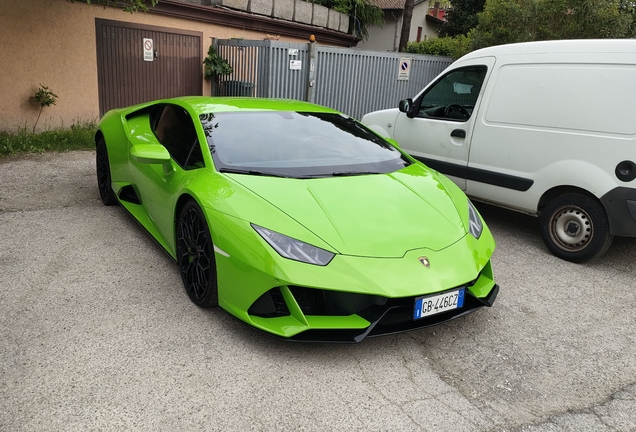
454 47
44 97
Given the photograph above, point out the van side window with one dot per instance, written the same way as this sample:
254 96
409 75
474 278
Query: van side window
453 97
174 129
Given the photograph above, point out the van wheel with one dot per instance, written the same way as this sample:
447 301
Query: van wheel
575 228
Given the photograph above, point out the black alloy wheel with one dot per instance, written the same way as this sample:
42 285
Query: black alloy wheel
195 256
106 192
575 227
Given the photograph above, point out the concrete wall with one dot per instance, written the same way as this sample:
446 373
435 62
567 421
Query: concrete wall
292 10
385 38
52 42
429 30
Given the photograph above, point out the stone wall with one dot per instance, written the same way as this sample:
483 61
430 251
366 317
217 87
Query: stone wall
291 10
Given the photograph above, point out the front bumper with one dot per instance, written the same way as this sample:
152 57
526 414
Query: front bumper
620 206
316 315
394 317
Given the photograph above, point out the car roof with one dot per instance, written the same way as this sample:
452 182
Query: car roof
558 46
206 104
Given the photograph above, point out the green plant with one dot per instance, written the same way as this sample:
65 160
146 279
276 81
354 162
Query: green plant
45 98
362 14
80 136
215 65
127 5
512 21
454 47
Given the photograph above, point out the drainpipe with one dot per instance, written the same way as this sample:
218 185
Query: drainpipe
311 74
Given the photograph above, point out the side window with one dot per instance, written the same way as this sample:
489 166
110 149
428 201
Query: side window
454 96
174 129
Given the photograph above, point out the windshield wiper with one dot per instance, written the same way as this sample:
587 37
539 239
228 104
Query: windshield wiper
251 172
352 173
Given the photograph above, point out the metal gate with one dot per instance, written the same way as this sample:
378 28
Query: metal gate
129 73
349 80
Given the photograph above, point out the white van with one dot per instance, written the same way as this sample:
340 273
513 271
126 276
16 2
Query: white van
545 128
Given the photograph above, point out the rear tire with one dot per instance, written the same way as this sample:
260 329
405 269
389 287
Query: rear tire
102 164
195 256
575 228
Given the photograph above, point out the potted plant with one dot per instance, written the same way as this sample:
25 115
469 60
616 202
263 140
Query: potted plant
215 66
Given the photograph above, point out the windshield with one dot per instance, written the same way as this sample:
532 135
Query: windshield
296 144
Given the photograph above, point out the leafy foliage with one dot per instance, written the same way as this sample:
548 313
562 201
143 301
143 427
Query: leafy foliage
454 47
462 17
127 5
510 21
80 136
362 14
215 65
44 97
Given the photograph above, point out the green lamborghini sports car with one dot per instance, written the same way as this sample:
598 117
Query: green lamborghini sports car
295 218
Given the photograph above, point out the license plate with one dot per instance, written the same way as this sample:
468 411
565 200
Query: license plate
438 303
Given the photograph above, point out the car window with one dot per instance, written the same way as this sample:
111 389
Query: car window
297 144
454 96
174 129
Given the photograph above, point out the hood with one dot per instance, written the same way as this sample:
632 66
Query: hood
378 215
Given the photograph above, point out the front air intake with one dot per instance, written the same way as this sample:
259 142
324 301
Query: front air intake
270 305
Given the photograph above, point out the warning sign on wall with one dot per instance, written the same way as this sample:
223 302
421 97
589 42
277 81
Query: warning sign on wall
148 50
405 69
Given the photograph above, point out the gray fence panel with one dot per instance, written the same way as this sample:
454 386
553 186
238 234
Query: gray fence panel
352 81
286 82
244 61
357 82
265 67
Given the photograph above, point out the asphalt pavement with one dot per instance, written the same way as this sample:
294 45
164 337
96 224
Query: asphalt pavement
97 333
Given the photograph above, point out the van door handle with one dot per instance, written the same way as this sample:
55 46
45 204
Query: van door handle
458 133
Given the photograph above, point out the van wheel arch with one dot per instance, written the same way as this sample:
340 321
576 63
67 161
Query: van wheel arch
574 224
550 194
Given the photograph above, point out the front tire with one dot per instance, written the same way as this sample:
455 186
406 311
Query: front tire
575 227
195 256
104 185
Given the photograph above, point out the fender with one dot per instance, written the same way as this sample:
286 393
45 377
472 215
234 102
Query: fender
382 122
577 173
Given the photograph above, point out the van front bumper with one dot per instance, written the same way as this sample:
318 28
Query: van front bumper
620 206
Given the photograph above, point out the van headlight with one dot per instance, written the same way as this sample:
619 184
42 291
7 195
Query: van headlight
475 226
293 249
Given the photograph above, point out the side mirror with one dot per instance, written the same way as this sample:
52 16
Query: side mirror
406 106
152 154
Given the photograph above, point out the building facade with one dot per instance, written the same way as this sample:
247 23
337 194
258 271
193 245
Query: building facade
87 53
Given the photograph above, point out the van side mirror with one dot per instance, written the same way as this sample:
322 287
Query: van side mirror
406 106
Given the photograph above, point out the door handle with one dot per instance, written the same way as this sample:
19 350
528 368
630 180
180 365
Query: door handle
458 133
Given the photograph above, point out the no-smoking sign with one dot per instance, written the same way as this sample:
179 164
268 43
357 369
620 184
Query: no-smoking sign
148 50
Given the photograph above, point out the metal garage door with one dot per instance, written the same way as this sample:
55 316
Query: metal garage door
137 63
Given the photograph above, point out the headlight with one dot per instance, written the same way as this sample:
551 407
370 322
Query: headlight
294 249
474 221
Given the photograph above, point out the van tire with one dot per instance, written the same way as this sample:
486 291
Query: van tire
575 227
